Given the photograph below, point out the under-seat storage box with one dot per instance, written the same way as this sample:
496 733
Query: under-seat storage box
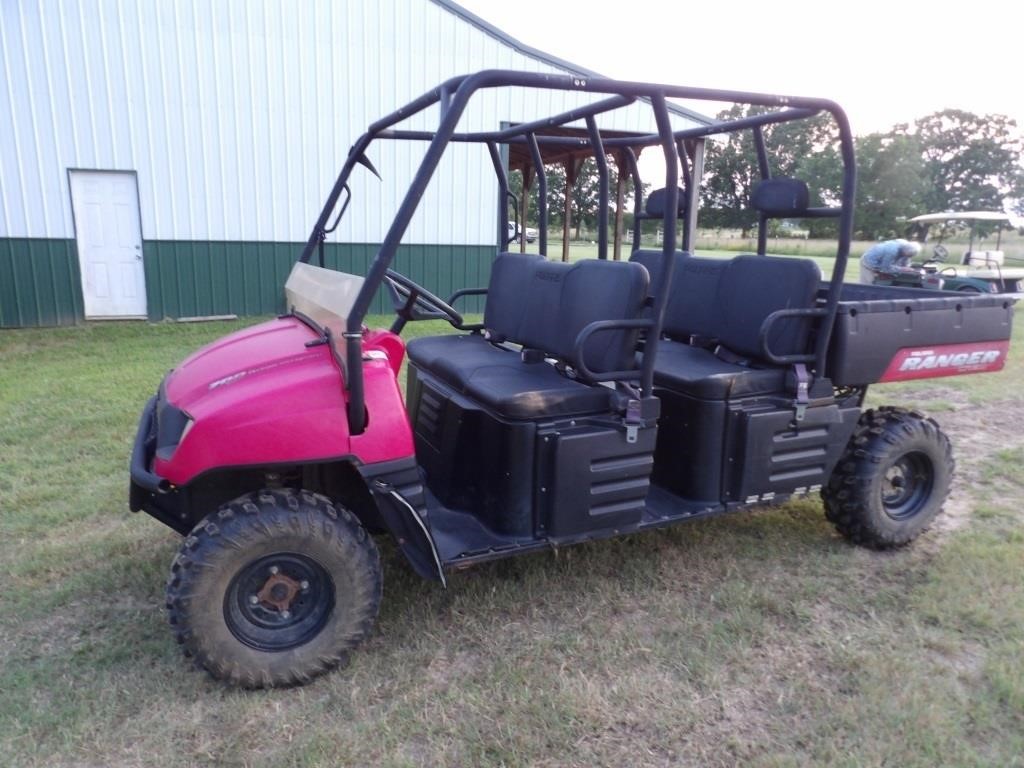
590 477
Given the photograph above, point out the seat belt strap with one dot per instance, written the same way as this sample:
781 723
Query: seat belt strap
728 356
633 420
803 381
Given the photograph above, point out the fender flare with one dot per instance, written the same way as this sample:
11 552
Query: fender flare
398 493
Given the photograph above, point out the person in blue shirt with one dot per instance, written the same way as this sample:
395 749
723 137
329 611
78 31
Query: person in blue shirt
888 258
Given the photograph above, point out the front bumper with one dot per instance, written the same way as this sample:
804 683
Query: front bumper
142 455
147 491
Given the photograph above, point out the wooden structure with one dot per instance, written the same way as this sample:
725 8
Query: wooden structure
521 158
572 159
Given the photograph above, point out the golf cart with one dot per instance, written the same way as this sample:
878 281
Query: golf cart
983 270
931 274
592 399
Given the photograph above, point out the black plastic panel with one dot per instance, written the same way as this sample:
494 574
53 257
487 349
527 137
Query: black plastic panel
775 455
472 460
688 459
591 478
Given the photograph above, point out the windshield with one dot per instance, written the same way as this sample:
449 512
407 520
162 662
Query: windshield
325 296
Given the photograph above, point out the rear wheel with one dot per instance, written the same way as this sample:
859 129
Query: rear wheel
274 589
892 480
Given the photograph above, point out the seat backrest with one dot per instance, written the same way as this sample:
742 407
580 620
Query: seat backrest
692 307
655 203
511 274
751 288
780 197
544 305
729 299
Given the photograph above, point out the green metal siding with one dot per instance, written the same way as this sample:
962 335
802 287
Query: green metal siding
40 282
190 279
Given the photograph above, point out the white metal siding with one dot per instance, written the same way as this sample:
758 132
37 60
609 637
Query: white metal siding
237 115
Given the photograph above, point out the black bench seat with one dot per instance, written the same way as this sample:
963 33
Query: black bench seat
699 373
720 305
498 378
541 306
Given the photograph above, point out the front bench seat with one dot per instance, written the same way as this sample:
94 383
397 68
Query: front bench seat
498 378
541 306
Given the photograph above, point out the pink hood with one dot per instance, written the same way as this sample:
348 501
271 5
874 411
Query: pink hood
262 397
246 361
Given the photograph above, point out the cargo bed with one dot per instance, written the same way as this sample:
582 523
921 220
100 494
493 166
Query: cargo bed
887 333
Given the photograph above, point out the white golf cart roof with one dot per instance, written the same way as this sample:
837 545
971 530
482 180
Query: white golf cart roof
966 216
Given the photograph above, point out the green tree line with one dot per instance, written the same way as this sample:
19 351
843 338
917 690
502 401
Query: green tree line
950 160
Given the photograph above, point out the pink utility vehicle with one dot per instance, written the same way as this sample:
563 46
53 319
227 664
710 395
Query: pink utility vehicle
593 399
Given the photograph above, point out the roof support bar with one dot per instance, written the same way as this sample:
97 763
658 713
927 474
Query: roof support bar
620 201
602 195
499 171
516 135
542 195
668 144
579 113
638 195
766 173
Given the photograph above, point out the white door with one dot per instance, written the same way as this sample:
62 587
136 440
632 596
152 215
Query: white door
109 236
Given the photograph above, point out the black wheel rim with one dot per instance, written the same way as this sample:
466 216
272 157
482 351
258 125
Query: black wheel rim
907 485
278 602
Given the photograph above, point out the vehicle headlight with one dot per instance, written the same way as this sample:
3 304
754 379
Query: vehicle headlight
172 424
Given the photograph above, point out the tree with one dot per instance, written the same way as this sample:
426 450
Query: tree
950 160
970 162
891 184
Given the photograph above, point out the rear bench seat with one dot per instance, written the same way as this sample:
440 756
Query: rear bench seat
720 305
542 306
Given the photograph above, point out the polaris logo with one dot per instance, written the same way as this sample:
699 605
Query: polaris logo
919 361
551 277
948 360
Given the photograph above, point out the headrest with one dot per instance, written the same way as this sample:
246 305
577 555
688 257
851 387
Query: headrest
781 197
656 203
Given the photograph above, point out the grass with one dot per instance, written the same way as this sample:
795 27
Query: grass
756 638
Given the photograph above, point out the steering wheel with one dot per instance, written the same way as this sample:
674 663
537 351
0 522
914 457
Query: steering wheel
414 302
940 252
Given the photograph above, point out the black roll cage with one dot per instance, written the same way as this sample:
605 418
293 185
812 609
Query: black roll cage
454 94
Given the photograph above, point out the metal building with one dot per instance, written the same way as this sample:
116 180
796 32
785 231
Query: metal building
168 158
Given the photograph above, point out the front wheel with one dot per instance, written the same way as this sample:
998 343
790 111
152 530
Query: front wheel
891 481
274 589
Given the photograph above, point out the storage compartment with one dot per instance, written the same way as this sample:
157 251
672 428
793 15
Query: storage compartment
473 461
874 323
773 454
691 434
590 477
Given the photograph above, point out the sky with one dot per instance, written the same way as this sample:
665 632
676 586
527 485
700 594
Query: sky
883 62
